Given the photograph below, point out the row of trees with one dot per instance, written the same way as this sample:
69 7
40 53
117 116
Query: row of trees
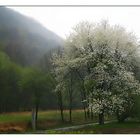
99 61
98 69
22 88
27 88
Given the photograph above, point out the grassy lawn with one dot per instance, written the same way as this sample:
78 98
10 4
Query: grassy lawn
77 115
21 121
110 128
15 117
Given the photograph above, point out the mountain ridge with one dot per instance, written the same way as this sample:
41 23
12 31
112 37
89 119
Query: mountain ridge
24 39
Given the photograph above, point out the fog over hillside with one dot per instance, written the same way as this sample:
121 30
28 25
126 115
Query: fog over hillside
24 39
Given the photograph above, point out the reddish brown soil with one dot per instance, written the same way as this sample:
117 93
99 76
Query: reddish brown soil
13 127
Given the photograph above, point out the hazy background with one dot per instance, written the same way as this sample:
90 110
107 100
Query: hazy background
61 19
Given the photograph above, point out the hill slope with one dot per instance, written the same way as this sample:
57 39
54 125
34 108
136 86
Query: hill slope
24 39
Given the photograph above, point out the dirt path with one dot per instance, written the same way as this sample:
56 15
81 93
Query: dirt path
70 128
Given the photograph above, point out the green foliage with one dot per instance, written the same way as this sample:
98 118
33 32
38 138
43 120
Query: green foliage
9 74
20 86
35 83
135 111
102 55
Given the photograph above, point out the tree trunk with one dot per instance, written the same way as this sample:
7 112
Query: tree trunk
101 118
60 101
83 97
121 118
70 100
36 113
33 118
88 113
88 110
91 114
84 107
70 108
85 114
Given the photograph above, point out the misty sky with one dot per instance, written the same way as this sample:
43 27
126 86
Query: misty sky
61 19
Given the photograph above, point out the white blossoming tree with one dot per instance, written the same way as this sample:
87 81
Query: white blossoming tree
102 56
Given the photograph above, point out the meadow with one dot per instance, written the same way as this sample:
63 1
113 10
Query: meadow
20 122
48 121
129 127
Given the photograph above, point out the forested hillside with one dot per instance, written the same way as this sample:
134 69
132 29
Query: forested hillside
24 43
24 39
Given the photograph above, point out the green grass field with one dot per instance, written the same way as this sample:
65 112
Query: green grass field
42 115
46 120
110 128
20 122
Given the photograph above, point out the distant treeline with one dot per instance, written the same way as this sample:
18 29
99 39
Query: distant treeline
14 89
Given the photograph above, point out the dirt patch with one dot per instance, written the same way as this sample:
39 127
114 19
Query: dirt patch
13 127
